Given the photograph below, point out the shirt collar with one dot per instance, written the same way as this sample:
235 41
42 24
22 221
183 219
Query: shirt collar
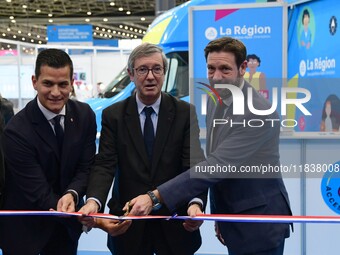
47 113
155 105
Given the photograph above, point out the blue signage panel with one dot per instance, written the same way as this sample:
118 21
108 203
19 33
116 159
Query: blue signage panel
255 26
70 34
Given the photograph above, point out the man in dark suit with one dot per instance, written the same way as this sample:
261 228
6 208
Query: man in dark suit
235 145
49 147
125 154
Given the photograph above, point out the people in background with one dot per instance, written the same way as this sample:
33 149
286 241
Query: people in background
237 146
146 140
49 147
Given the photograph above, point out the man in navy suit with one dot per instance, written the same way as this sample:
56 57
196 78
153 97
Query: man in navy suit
139 162
239 145
49 147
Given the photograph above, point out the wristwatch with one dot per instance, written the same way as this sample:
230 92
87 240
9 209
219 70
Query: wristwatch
155 202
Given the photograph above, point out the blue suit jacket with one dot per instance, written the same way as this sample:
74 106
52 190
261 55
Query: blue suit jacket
235 193
37 175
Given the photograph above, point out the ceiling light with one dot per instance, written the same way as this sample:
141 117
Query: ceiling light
136 36
13 21
126 27
50 15
109 30
29 34
11 17
142 18
8 1
50 20
19 31
32 40
128 12
114 32
87 20
112 4
120 26
39 42
123 33
94 33
105 19
8 29
46 38
97 28
110 36
103 29
89 13
24 6
3 34
131 29
38 10
101 34
14 36
120 9
23 39
105 35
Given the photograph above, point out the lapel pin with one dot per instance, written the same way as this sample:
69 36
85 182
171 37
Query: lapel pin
71 119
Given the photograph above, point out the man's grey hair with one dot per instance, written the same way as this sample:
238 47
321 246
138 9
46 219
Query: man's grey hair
145 50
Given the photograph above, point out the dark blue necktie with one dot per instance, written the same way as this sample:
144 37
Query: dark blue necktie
59 131
149 133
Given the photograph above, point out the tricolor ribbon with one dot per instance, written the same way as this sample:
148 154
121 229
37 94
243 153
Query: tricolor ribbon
210 217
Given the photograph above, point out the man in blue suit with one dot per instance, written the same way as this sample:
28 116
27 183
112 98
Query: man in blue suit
238 146
49 147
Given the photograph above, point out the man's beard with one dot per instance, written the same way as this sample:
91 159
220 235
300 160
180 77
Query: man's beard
225 93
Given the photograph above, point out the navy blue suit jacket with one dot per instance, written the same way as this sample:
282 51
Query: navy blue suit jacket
234 193
37 175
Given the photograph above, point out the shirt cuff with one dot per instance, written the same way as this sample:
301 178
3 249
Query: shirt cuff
196 200
74 194
97 201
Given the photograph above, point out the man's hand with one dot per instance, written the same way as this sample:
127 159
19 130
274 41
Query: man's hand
91 206
113 227
66 204
141 205
193 225
218 234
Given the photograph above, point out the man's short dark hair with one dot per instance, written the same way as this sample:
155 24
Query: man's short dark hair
53 58
227 44
305 13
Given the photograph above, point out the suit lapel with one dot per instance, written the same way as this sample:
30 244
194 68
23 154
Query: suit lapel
132 124
43 127
166 117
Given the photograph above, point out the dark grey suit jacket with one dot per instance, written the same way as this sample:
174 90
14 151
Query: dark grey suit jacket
37 175
237 193
122 155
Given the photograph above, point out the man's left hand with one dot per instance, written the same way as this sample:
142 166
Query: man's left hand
193 225
66 203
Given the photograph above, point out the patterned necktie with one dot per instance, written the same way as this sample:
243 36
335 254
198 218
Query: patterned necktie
59 131
149 133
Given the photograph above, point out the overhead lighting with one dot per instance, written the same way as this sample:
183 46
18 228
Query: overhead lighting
109 30
38 36
23 39
39 42
3 34
50 15
32 40
50 20
11 17
128 12
13 21
142 18
29 34
14 36
112 4
97 28
94 33
87 20
131 29
120 26
126 27
19 31
105 19
120 9
88 13
24 6
8 1
8 29
38 10
103 29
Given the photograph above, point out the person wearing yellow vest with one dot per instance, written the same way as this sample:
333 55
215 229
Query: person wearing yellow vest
255 78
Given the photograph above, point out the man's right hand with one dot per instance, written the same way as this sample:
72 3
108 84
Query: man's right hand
113 227
91 206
